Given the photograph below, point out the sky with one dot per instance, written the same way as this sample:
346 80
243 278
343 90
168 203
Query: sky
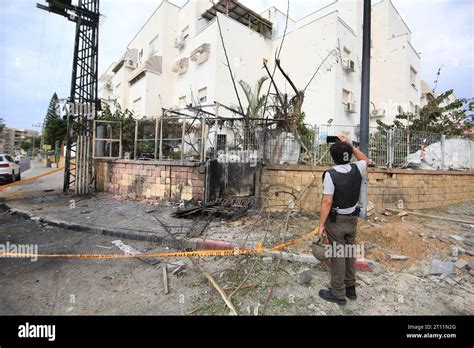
36 47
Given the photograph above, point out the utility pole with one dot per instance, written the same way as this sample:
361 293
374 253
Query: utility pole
84 104
365 101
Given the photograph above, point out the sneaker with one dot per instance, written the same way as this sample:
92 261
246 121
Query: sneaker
328 296
351 292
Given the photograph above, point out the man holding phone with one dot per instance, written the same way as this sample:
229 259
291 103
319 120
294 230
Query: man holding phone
339 214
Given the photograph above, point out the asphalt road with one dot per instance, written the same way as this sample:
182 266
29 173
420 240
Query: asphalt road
25 164
87 286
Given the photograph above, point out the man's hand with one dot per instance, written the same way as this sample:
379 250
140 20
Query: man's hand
344 138
322 231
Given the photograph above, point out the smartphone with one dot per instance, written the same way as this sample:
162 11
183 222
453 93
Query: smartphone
332 139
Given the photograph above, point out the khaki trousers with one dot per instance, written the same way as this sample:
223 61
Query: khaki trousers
343 269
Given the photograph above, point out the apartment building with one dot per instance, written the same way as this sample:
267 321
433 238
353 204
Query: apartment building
177 59
11 139
395 65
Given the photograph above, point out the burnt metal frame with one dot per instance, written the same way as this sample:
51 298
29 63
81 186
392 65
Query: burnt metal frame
79 166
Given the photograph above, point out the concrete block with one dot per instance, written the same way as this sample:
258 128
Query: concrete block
457 238
461 264
439 267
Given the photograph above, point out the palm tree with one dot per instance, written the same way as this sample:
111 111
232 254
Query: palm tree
255 101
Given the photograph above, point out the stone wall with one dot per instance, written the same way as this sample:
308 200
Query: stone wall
415 189
151 179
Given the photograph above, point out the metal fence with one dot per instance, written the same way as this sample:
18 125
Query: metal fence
180 137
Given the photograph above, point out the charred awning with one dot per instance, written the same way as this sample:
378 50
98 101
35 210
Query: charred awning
242 14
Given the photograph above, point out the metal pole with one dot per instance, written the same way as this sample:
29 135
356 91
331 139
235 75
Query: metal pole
160 153
364 101
135 144
443 152
183 133
156 138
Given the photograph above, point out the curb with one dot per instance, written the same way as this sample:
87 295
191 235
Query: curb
191 243
188 243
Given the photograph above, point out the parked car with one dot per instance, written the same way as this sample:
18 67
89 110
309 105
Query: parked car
9 169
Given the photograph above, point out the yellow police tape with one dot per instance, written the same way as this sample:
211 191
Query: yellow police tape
30 179
229 252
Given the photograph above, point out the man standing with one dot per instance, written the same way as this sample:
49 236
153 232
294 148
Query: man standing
339 214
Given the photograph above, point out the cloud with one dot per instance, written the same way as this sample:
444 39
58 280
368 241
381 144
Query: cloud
442 31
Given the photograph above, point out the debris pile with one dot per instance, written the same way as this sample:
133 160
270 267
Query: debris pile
226 208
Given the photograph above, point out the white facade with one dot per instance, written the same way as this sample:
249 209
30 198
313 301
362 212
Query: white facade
166 72
395 65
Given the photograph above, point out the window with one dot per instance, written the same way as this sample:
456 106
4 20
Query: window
413 77
153 46
140 55
202 95
346 96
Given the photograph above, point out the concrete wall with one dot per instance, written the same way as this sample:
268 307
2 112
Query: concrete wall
151 180
416 189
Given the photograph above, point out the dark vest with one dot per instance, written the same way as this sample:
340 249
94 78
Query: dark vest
347 187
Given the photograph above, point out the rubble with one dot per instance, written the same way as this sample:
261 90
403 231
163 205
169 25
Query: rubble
441 267
461 264
227 208
396 257
467 226
457 238
469 242
455 251
304 276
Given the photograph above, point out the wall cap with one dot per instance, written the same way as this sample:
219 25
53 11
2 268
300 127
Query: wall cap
155 163
307 168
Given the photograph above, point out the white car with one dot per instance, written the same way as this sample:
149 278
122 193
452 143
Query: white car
9 169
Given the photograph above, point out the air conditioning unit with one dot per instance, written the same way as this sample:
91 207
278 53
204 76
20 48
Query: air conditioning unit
200 57
377 113
129 63
351 107
179 43
348 64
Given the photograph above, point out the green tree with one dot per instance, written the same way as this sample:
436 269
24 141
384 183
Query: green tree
55 127
254 99
438 116
26 145
2 125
